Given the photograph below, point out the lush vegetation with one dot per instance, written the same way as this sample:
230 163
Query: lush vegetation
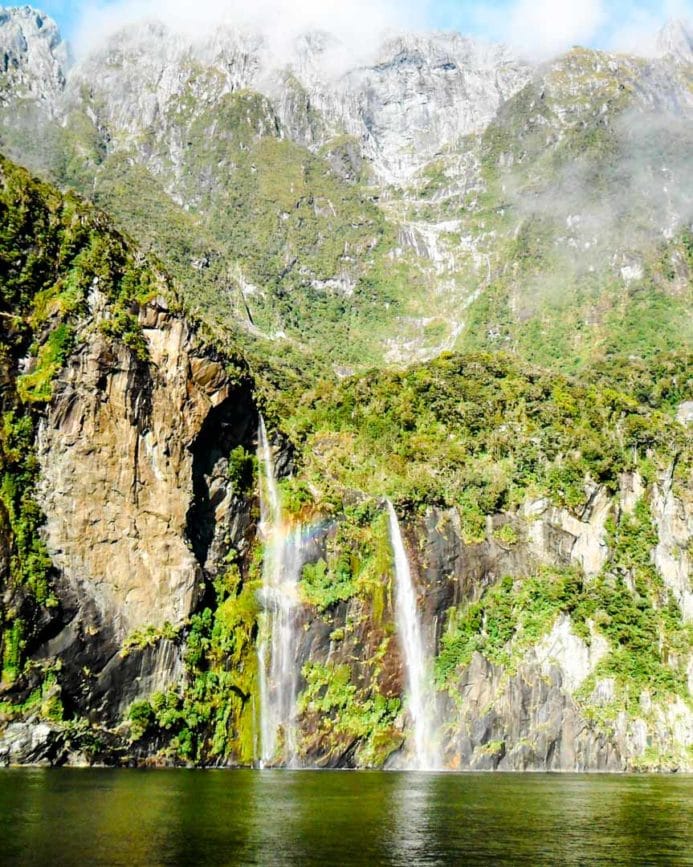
338 711
484 433
358 563
212 717
54 250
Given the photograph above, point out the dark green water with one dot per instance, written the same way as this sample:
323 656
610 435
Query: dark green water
94 817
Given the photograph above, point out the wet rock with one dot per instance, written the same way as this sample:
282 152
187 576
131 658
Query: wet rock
31 743
139 508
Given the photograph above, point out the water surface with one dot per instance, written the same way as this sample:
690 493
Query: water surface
134 817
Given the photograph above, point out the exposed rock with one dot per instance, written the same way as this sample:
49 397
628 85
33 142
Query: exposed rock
128 450
557 533
33 58
562 649
420 94
632 490
674 520
525 721
675 40
685 412
31 743
117 479
417 95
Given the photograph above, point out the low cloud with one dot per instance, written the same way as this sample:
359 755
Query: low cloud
637 32
537 29
614 215
540 29
543 28
358 24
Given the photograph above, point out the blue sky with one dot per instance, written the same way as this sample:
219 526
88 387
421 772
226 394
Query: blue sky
538 26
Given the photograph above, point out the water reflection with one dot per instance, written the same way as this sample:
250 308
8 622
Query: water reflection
326 818
412 800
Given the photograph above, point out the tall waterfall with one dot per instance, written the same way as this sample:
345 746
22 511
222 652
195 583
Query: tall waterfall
277 644
418 664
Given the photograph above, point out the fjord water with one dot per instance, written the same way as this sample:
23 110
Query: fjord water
417 664
135 817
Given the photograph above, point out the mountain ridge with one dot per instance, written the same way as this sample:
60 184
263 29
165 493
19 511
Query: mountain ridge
143 112
451 282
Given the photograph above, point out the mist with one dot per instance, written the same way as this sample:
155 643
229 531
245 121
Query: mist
609 210
536 29
359 25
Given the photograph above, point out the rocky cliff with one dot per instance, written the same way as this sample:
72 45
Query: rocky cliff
552 581
433 195
127 438
443 195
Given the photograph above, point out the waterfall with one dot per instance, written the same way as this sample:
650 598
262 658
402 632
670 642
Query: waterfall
277 643
418 664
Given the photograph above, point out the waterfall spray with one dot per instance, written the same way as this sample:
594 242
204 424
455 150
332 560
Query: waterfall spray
277 644
421 695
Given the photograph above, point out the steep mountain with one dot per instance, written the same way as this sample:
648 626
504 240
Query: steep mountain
219 481
546 521
34 60
675 41
438 195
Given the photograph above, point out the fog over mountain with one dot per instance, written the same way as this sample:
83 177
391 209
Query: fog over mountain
344 385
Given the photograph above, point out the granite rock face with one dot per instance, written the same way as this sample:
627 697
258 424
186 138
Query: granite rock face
419 95
674 520
550 733
128 452
119 440
34 58
134 446
675 41
416 96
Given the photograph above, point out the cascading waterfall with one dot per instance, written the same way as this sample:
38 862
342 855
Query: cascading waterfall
418 664
277 644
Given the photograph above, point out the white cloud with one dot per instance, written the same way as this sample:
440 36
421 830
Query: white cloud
357 23
543 28
637 31
537 28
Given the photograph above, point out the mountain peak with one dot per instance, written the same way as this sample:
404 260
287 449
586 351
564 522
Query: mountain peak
35 56
30 22
676 40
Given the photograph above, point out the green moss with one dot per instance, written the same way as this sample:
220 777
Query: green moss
37 386
648 640
492 748
507 535
20 516
340 708
296 496
654 760
359 563
44 702
13 645
212 717
126 328
148 636
323 587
